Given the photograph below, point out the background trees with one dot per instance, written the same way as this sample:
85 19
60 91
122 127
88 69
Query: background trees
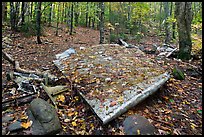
127 20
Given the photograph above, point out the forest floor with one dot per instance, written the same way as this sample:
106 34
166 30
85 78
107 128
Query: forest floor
175 109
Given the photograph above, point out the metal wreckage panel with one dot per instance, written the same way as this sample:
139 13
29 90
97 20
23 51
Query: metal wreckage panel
111 78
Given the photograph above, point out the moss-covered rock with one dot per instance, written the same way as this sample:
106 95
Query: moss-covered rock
178 74
45 118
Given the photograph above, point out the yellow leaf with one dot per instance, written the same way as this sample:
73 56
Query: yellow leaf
121 99
24 117
138 132
70 114
61 98
92 57
26 124
74 124
66 120
97 80
77 98
180 90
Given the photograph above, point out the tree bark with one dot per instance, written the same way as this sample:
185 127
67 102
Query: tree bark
72 15
167 26
160 20
87 12
76 13
12 16
183 14
102 23
38 18
50 15
23 13
58 14
174 23
4 11
31 11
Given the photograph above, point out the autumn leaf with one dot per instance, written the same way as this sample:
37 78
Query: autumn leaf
61 98
66 120
71 114
113 103
26 124
24 117
138 132
74 124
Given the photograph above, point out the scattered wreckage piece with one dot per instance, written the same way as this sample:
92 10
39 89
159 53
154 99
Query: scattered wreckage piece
52 91
51 78
111 78
166 50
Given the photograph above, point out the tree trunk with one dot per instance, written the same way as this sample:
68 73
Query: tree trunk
167 26
4 11
87 13
183 14
12 16
31 11
102 23
72 14
89 22
174 23
160 20
50 15
58 7
110 13
38 18
76 14
98 14
23 13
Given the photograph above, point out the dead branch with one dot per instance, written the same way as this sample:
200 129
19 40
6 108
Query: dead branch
18 69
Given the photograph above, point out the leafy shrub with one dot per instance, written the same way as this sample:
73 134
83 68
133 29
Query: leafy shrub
30 29
113 38
123 36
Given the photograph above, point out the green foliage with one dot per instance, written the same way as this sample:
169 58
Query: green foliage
123 36
178 74
113 38
30 29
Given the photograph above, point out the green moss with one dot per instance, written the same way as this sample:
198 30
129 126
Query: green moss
178 74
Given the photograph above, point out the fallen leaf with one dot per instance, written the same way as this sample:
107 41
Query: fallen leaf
61 98
113 103
66 120
199 111
138 132
26 124
74 124
70 114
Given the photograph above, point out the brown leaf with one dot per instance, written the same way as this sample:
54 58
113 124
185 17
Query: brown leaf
113 103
